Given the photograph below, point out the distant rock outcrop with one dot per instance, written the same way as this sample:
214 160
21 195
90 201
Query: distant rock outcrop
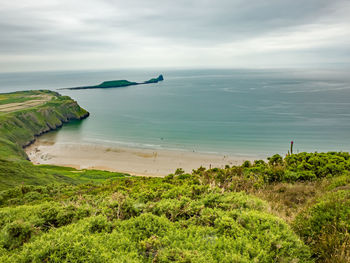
118 84
155 80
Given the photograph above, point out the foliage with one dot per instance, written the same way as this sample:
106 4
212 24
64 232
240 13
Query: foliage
144 220
325 226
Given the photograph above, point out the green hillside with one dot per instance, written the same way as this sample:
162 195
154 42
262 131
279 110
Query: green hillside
292 209
29 114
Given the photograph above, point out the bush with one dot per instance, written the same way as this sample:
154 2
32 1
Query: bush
250 236
246 164
100 224
326 227
275 160
15 234
198 217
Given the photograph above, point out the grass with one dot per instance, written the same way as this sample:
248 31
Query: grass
15 99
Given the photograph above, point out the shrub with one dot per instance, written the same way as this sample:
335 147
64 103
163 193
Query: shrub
246 164
275 160
99 224
15 234
326 227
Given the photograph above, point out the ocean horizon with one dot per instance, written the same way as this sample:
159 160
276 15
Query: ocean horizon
239 112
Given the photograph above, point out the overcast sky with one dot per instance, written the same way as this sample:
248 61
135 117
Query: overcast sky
108 34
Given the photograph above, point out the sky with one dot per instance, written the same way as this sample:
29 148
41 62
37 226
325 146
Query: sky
38 35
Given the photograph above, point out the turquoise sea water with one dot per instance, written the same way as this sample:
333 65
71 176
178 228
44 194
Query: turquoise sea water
242 112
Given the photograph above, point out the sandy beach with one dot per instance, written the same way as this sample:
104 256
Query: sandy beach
142 162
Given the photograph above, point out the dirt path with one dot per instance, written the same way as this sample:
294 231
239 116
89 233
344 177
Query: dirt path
26 104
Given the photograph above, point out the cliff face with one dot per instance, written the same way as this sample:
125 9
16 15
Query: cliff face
19 128
47 119
25 115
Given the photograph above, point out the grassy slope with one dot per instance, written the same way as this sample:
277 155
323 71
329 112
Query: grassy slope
19 128
208 216
215 215
177 218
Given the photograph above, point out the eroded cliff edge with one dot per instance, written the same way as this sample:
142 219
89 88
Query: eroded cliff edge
20 126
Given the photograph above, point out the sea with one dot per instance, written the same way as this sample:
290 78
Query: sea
248 113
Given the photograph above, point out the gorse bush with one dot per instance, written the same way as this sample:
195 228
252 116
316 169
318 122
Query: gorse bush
318 165
295 167
149 238
325 226
146 220
198 217
14 234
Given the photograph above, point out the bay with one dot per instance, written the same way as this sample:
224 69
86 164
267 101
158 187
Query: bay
240 112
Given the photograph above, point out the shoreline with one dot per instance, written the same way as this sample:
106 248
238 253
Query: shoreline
50 129
134 161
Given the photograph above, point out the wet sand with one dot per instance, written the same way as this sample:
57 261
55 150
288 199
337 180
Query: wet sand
135 161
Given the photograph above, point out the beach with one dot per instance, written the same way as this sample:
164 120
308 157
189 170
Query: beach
134 161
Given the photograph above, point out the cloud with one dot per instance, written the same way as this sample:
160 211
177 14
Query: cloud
225 33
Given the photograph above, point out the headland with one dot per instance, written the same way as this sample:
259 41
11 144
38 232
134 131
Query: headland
118 84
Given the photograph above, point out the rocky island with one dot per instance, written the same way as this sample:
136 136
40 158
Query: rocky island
119 84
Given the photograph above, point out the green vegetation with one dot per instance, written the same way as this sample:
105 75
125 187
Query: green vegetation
119 84
326 226
19 128
14 98
292 209
143 220
115 83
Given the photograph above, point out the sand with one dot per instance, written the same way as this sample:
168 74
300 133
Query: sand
143 162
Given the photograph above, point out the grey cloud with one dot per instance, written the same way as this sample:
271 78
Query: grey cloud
130 27
214 21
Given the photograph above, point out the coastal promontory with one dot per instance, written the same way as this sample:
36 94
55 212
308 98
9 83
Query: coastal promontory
119 84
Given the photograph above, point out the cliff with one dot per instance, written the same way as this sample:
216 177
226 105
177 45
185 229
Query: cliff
20 126
23 116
